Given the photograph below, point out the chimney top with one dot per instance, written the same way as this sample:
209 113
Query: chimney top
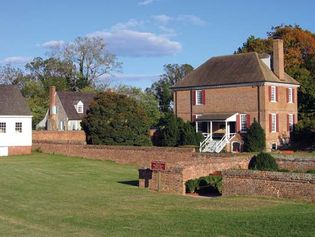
278 58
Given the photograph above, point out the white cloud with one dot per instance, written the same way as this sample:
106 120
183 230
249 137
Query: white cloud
162 19
195 20
53 44
16 60
145 2
134 43
132 23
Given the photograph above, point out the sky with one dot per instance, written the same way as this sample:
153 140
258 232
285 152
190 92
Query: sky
144 34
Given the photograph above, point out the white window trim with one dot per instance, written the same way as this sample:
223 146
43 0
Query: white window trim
273 94
5 127
243 130
290 95
16 130
196 97
80 105
274 119
291 122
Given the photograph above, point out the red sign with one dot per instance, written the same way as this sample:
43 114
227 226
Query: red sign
158 165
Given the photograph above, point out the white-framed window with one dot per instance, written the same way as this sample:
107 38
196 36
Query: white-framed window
273 122
3 127
198 97
273 94
243 121
80 107
291 122
18 127
290 95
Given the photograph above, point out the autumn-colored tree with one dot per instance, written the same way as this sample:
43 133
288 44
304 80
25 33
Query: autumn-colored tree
299 55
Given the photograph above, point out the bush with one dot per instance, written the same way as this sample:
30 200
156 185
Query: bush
191 185
174 131
303 136
255 139
310 171
115 119
263 161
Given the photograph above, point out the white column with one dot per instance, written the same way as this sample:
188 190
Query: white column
226 131
210 130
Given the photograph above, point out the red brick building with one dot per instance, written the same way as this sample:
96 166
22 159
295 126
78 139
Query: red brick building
225 94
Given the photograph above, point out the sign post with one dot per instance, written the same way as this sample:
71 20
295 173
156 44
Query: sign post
158 166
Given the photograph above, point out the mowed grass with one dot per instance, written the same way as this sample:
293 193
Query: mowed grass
52 195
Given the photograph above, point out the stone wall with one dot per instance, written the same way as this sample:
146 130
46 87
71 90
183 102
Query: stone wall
74 137
265 183
296 164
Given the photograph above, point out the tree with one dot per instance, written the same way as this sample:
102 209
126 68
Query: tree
90 57
173 73
11 76
299 54
146 100
255 138
116 119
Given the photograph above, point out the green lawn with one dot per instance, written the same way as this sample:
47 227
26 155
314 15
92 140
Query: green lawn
50 195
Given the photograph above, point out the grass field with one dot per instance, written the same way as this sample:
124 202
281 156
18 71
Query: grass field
50 195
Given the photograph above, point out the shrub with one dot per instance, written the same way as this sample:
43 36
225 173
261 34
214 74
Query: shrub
115 119
255 139
303 136
191 185
310 171
263 161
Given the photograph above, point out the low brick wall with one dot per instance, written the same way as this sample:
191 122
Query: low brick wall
74 137
296 164
19 150
265 183
140 156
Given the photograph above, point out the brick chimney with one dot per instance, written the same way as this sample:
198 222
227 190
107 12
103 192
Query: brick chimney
52 117
278 58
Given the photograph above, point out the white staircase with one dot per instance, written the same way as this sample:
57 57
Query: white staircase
210 145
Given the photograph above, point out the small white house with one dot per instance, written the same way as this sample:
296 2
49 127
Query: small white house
15 122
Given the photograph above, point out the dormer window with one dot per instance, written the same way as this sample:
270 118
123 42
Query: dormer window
80 107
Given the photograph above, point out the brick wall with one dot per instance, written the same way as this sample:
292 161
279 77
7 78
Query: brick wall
296 164
59 136
274 184
19 150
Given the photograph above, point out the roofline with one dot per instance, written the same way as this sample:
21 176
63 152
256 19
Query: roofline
258 83
16 116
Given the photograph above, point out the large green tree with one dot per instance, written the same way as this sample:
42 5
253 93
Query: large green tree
173 73
116 119
299 54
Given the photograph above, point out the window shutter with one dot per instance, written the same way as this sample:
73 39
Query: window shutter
293 95
203 97
288 91
288 122
269 93
294 119
238 123
277 122
193 98
194 117
247 120
277 96
270 122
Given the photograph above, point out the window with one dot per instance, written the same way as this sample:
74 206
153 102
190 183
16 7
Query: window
273 92
273 123
198 97
243 121
290 95
3 127
18 127
290 122
80 107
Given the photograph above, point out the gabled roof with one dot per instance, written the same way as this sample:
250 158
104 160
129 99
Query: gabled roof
12 102
229 70
70 99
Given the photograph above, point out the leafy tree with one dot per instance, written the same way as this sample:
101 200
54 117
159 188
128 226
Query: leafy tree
173 73
255 138
90 57
116 119
299 53
146 100
303 135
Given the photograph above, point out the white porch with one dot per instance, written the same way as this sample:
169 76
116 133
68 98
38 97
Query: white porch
218 129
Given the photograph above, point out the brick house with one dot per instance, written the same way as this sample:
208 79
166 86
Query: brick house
15 122
66 110
225 94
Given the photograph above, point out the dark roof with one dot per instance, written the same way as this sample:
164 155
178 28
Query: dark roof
12 102
231 69
69 99
214 117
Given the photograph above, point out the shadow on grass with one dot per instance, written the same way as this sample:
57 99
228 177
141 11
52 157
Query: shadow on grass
130 182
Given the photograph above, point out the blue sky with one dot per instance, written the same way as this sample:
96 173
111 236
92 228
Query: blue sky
144 34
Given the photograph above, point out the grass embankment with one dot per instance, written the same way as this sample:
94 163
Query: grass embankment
50 195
